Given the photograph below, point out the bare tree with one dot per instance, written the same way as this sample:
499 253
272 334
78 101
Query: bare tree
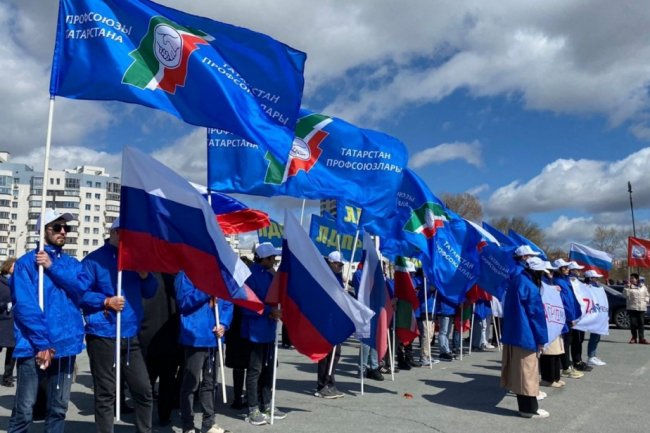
464 204
609 240
522 225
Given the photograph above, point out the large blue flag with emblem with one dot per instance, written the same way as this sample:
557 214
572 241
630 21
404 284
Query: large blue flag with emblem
330 159
447 244
324 233
205 72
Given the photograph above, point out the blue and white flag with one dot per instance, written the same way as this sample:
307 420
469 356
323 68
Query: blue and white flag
202 71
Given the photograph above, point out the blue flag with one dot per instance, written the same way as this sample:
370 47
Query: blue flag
205 72
521 240
502 238
497 264
272 233
347 218
330 159
325 235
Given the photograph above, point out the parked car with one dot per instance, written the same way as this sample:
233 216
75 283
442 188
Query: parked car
617 311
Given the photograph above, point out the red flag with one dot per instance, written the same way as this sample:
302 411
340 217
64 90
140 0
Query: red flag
638 252
407 302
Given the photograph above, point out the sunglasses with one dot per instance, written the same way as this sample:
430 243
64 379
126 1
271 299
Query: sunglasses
56 228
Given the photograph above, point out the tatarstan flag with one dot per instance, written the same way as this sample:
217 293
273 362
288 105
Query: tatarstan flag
406 327
427 219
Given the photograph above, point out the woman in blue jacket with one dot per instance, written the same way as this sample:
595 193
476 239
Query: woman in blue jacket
198 336
524 335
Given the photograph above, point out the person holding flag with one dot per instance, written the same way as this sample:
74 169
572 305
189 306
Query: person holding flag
198 336
594 339
445 310
100 305
47 339
260 331
326 382
524 335
636 295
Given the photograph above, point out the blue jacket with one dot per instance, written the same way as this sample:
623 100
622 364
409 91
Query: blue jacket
524 318
101 268
356 282
571 306
60 326
445 307
259 328
429 303
197 318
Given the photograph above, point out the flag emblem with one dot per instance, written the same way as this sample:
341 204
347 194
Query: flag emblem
427 219
160 61
305 149
638 252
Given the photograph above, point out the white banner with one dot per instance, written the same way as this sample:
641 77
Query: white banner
594 306
555 316
497 308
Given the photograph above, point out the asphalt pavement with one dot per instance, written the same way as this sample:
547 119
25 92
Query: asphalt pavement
459 396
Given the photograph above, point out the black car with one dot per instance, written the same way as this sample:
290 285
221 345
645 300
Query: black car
617 311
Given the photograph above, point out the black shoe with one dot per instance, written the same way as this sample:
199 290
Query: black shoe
375 374
238 405
414 363
446 357
455 351
9 383
403 365
581 366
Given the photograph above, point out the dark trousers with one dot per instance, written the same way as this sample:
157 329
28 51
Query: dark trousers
238 378
10 364
324 376
527 404
259 376
101 352
199 373
636 324
577 337
549 367
58 377
168 371
565 358
286 341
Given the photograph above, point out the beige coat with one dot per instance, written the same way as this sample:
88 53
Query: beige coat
520 370
556 347
637 297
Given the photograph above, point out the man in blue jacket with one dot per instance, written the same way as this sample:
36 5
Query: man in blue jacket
100 306
198 336
48 339
261 331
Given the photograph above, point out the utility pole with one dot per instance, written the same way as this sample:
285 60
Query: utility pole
629 189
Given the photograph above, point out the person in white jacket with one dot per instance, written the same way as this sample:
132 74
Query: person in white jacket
636 294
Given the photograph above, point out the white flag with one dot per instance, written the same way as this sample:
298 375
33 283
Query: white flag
554 308
594 306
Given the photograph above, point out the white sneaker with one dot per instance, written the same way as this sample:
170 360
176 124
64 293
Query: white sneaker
541 413
542 395
489 346
216 429
595 361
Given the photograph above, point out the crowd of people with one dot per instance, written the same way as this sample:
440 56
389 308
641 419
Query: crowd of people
171 335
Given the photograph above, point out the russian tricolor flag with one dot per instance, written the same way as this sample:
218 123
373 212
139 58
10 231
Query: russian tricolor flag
374 294
317 312
166 225
591 258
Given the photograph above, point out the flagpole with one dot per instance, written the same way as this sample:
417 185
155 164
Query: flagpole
118 351
460 331
302 212
361 363
426 318
496 331
390 353
278 329
41 228
471 329
220 349
433 320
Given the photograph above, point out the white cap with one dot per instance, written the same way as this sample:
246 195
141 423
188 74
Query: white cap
574 265
266 249
549 266
560 263
536 264
335 257
410 267
116 224
592 274
525 250
52 215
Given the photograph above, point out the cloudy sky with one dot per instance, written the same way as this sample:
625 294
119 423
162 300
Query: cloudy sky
540 108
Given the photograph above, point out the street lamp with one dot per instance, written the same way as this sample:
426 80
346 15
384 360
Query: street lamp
629 189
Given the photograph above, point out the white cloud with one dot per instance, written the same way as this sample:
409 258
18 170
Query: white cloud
62 157
478 189
469 152
588 185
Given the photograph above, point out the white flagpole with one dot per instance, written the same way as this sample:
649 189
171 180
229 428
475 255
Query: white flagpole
433 320
496 332
426 321
278 329
220 349
390 355
118 352
361 363
41 228
471 330
302 212
460 331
